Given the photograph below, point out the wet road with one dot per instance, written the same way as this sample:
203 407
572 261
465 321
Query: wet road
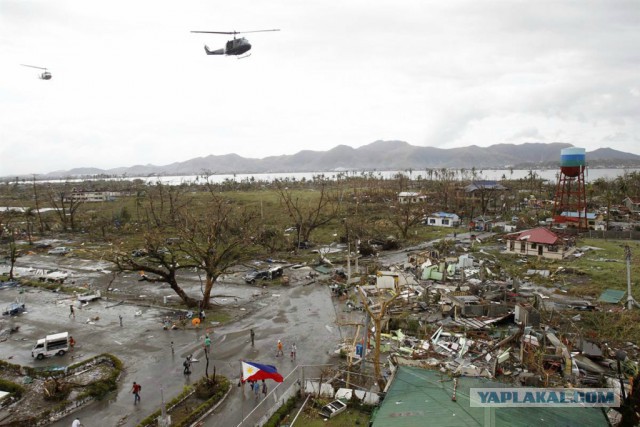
299 313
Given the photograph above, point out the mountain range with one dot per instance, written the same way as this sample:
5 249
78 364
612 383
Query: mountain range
379 155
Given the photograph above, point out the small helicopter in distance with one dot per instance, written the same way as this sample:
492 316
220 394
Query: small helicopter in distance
237 46
44 76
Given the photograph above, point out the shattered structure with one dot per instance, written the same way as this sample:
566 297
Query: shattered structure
463 317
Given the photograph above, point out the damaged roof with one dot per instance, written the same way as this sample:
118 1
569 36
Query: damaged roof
419 397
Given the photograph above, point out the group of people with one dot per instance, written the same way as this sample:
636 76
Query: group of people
279 346
280 351
256 387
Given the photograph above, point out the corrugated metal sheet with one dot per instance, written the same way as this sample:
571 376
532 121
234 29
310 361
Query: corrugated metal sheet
419 397
611 296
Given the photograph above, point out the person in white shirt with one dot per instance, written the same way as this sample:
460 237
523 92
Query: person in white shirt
76 423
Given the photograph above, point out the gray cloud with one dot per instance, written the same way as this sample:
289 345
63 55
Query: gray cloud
132 85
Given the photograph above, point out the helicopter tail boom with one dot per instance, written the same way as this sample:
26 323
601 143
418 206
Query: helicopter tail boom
213 52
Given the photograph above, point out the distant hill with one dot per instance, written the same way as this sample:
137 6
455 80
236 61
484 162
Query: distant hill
379 155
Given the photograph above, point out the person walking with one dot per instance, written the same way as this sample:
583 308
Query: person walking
77 423
172 350
256 389
279 352
264 388
187 365
72 343
120 317
72 311
207 344
136 392
253 336
294 349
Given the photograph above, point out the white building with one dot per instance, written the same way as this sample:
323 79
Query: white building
443 219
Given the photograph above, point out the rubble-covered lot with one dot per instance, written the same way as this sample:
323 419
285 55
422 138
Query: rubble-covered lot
469 312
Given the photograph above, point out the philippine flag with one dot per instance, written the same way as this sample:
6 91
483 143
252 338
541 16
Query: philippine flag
252 371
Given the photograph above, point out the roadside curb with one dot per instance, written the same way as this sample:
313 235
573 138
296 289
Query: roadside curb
210 410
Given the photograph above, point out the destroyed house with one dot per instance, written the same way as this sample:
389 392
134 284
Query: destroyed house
580 219
483 186
540 242
417 397
79 195
632 204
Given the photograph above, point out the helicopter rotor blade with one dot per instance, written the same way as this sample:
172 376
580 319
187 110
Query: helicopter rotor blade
33 66
256 31
216 32
233 32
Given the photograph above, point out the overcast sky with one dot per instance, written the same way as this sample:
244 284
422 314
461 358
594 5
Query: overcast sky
131 85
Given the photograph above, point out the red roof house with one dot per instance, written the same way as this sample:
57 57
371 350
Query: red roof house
540 242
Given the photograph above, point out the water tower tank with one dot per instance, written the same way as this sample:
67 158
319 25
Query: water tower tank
572 161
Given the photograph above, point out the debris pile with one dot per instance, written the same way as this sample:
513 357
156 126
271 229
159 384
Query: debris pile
464 316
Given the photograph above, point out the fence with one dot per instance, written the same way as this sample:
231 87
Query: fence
279 395
614 235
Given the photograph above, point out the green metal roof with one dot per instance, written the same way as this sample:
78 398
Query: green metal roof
419 397
612 296
323 269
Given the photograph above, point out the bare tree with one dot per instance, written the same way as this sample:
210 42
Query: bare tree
310 213
163 202
406 215
159 265
217 240
37 207
65 205
7 231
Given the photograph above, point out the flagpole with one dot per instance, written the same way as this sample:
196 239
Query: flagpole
242 386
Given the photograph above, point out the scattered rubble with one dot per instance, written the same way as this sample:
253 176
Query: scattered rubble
464 316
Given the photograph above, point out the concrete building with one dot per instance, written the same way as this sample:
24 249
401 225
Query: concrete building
540 242
443 219
411 197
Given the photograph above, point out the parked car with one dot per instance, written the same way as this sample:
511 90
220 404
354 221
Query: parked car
14 309
253 276
276 271
60 250
270 274
332 409
54 344
304 245
138 253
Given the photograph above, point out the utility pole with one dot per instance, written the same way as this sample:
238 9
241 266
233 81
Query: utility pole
630 301
365 341
165 420
376 314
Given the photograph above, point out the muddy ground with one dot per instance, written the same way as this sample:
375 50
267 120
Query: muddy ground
302 312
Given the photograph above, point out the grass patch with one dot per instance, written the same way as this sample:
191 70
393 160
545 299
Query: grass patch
349 418
346 419
605 268
610 327
189 405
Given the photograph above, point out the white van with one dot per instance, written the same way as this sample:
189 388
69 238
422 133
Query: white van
60 250
51 345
